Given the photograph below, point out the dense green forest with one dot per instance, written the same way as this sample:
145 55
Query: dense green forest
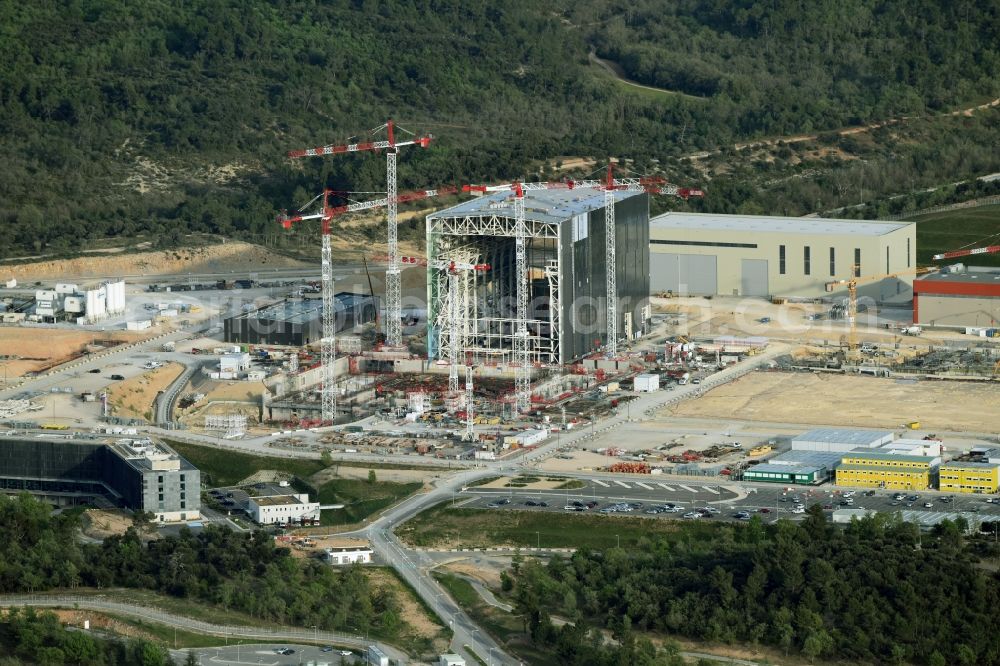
239 571
29 637
126 118
875 592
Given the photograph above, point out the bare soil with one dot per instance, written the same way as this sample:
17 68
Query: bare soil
850 401
38 348
99 621
133 398
101 523
224 257
420 623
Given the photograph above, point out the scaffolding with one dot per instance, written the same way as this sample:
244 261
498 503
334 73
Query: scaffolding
232 426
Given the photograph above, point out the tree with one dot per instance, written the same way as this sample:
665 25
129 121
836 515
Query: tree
191 659
326 458
371 476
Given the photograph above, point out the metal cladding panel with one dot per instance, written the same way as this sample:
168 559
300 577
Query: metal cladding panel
753 277
956 287
684 273
584 276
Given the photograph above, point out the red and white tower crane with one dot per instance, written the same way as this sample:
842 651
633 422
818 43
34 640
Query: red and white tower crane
393 287
326 212
990 249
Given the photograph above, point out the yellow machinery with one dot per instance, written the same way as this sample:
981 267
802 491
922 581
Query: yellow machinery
913 425
851 313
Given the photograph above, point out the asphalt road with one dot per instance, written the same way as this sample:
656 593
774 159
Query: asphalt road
266 654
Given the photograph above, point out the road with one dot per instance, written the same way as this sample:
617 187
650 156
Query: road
356 643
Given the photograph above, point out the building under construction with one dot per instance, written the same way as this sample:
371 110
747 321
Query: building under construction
567 282
297 321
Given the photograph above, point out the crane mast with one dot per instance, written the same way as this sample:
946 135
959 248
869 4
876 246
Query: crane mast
393 292
470 434
611 264
522 361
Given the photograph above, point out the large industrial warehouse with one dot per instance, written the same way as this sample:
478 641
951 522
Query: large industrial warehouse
963 296
758 255
566 258
297 322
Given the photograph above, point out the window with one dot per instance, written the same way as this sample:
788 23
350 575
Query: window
161 497
182 478
781 259
183 504
159 479
907 252
857 262
805 259
833 262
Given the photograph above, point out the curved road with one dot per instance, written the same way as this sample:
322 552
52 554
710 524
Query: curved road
278 634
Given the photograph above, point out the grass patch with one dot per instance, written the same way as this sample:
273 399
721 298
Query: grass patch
572 484
482 482
176 639
950 230
505 628
360 498
226 468
441 526
191 608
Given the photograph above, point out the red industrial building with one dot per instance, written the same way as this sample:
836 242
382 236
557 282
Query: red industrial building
962 296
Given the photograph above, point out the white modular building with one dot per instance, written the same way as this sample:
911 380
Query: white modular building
349 555
282 509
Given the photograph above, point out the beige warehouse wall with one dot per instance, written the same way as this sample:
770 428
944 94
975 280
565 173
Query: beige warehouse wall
794 282
958 310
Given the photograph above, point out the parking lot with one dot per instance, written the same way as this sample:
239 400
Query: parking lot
648 498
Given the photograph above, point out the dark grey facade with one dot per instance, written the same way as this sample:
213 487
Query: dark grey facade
155 480
584 276
297 322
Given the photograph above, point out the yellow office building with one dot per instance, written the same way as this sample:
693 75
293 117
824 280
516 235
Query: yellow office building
885 470
970 477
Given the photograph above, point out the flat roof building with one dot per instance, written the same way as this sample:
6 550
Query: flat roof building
787 472
137 474
282 509
963 296
298 321
969 477
840 440
768 255
873 469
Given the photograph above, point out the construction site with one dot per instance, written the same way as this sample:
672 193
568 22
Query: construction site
540 307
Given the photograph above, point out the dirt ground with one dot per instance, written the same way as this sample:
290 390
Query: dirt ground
412 612
233 255
850 401
133 398
336 471
487 575
101 523
314 546
98 621
41 348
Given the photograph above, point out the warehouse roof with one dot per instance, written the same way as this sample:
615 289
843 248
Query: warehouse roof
787 468
820 458
276 500
971 275
888 455
539 205
772 224
843 436
301 311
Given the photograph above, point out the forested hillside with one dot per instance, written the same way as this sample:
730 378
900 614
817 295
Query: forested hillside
876 592
122 118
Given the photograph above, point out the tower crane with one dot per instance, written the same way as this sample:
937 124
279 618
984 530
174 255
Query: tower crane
990 249
650 185
393 287
326 212
852 297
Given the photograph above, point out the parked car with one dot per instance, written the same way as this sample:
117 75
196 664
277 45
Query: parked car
117 377
94 370
928 505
